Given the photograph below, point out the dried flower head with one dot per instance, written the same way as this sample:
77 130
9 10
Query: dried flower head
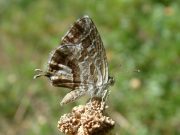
86 120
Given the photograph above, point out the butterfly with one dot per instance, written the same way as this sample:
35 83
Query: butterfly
79 63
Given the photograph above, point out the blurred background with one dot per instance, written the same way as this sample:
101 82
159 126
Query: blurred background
138 36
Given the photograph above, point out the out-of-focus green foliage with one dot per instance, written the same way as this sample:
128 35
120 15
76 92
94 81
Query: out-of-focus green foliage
137 34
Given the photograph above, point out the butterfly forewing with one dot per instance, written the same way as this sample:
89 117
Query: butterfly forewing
82 51
80 61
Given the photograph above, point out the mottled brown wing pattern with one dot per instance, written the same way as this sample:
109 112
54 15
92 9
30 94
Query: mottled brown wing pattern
63 64
81 50
80 62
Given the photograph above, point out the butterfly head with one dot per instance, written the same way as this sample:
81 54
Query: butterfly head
111 80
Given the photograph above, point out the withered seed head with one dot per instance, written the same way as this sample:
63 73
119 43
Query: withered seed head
86 120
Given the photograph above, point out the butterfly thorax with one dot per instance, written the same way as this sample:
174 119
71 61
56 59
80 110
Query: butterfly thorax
99 91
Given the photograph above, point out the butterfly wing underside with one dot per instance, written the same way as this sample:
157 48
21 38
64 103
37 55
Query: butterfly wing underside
80 62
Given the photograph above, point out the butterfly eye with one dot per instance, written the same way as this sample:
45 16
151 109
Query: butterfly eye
111 80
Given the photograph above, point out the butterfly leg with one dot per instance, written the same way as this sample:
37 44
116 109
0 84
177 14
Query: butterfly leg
105 95
104 98
92 92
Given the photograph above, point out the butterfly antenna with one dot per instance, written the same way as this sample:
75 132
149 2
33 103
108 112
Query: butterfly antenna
41 73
